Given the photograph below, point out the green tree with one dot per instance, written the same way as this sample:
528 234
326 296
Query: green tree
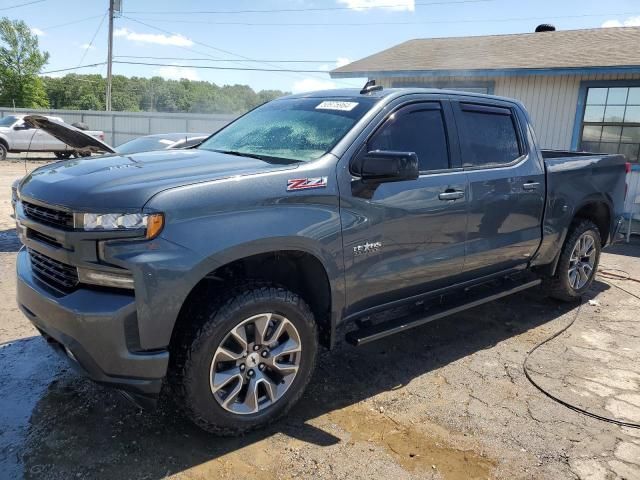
20 62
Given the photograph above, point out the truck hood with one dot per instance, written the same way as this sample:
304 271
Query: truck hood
72 136
127 182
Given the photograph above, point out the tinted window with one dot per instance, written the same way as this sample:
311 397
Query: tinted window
488 137
419 131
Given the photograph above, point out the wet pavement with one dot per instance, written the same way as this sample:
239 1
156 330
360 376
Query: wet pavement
447 400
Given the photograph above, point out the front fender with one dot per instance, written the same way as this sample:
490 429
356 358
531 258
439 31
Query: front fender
210 227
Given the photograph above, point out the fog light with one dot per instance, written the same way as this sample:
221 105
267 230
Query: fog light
105 279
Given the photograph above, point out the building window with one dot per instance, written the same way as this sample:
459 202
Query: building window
611 121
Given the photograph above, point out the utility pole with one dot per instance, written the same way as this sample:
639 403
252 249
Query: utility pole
109 57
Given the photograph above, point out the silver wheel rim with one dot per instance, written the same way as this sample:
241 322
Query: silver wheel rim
582 261
255 364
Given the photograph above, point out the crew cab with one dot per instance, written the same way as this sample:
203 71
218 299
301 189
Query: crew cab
214 274
17 136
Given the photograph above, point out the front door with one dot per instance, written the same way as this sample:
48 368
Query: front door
506 185
402 238
23 137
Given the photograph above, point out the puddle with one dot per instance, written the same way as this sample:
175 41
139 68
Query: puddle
411 448
26 368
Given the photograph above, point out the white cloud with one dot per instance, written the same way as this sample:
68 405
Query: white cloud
402 5
157 38
37 31
311 85
340 62
175 72
87 46
628 22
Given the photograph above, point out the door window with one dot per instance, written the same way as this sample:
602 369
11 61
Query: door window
488 135
418 129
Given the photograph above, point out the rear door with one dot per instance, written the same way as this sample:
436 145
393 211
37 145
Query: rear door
402 238
506 185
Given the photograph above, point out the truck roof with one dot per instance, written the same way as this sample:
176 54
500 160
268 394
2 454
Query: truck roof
390 93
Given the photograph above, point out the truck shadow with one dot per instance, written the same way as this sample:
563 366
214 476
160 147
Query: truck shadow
78 428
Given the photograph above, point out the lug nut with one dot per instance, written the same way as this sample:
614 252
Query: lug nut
244 355
264 354
242 367
251 373
261 366
256 347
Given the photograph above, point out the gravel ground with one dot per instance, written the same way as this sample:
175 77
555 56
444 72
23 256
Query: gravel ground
448 400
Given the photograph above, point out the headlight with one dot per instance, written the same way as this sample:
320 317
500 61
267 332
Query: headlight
152 223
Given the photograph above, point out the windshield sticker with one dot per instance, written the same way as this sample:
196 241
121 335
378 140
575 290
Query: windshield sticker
341 106
294 184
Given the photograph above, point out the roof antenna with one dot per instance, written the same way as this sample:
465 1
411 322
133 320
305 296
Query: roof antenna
369 87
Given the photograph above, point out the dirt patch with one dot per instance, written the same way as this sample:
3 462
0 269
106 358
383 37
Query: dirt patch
411 447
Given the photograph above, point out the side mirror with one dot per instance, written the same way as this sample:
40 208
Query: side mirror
387 166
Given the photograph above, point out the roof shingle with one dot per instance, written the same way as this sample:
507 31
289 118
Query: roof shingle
599 47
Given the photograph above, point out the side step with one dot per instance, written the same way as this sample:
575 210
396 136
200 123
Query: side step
463 301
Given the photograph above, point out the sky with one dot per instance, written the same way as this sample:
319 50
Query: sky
310 35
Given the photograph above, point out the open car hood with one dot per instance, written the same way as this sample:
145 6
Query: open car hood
72 136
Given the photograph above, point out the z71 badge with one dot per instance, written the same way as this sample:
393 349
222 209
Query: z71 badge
306 183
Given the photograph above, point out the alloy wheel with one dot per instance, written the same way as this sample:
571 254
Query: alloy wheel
582 261
255 364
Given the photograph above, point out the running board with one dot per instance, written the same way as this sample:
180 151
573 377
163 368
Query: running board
469 299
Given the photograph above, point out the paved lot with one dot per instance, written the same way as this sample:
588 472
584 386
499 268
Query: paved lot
448 400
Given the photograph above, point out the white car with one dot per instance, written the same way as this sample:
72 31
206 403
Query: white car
16 136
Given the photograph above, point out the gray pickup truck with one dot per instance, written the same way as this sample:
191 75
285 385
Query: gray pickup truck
215 273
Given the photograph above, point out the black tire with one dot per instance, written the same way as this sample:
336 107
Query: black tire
62 155
559 286
3 151
209 323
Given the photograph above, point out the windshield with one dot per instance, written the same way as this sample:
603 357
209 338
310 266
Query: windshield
8 121
144 144
291 129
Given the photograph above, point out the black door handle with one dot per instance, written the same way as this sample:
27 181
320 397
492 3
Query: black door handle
451 194
531 186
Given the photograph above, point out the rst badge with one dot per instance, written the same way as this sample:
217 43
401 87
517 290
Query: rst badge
306 183
366 248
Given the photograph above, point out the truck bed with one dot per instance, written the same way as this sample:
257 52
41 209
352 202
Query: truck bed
577 181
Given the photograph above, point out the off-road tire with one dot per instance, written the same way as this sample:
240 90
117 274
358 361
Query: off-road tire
558 286
204 324
3 151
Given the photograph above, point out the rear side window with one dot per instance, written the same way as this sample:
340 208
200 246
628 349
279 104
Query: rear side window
417 130
488 135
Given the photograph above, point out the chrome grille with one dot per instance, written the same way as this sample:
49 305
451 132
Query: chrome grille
54 273
48 215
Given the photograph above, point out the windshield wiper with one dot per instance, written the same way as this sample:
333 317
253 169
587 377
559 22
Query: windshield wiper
266 158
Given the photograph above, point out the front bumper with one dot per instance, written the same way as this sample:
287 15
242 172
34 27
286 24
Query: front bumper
93 327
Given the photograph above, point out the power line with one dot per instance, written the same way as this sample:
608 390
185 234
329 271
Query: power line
71 22
367 24
313 9
227 52
22 5
73 68
222 59
90 44
211 67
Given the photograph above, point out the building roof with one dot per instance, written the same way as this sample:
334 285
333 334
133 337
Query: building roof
611 48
